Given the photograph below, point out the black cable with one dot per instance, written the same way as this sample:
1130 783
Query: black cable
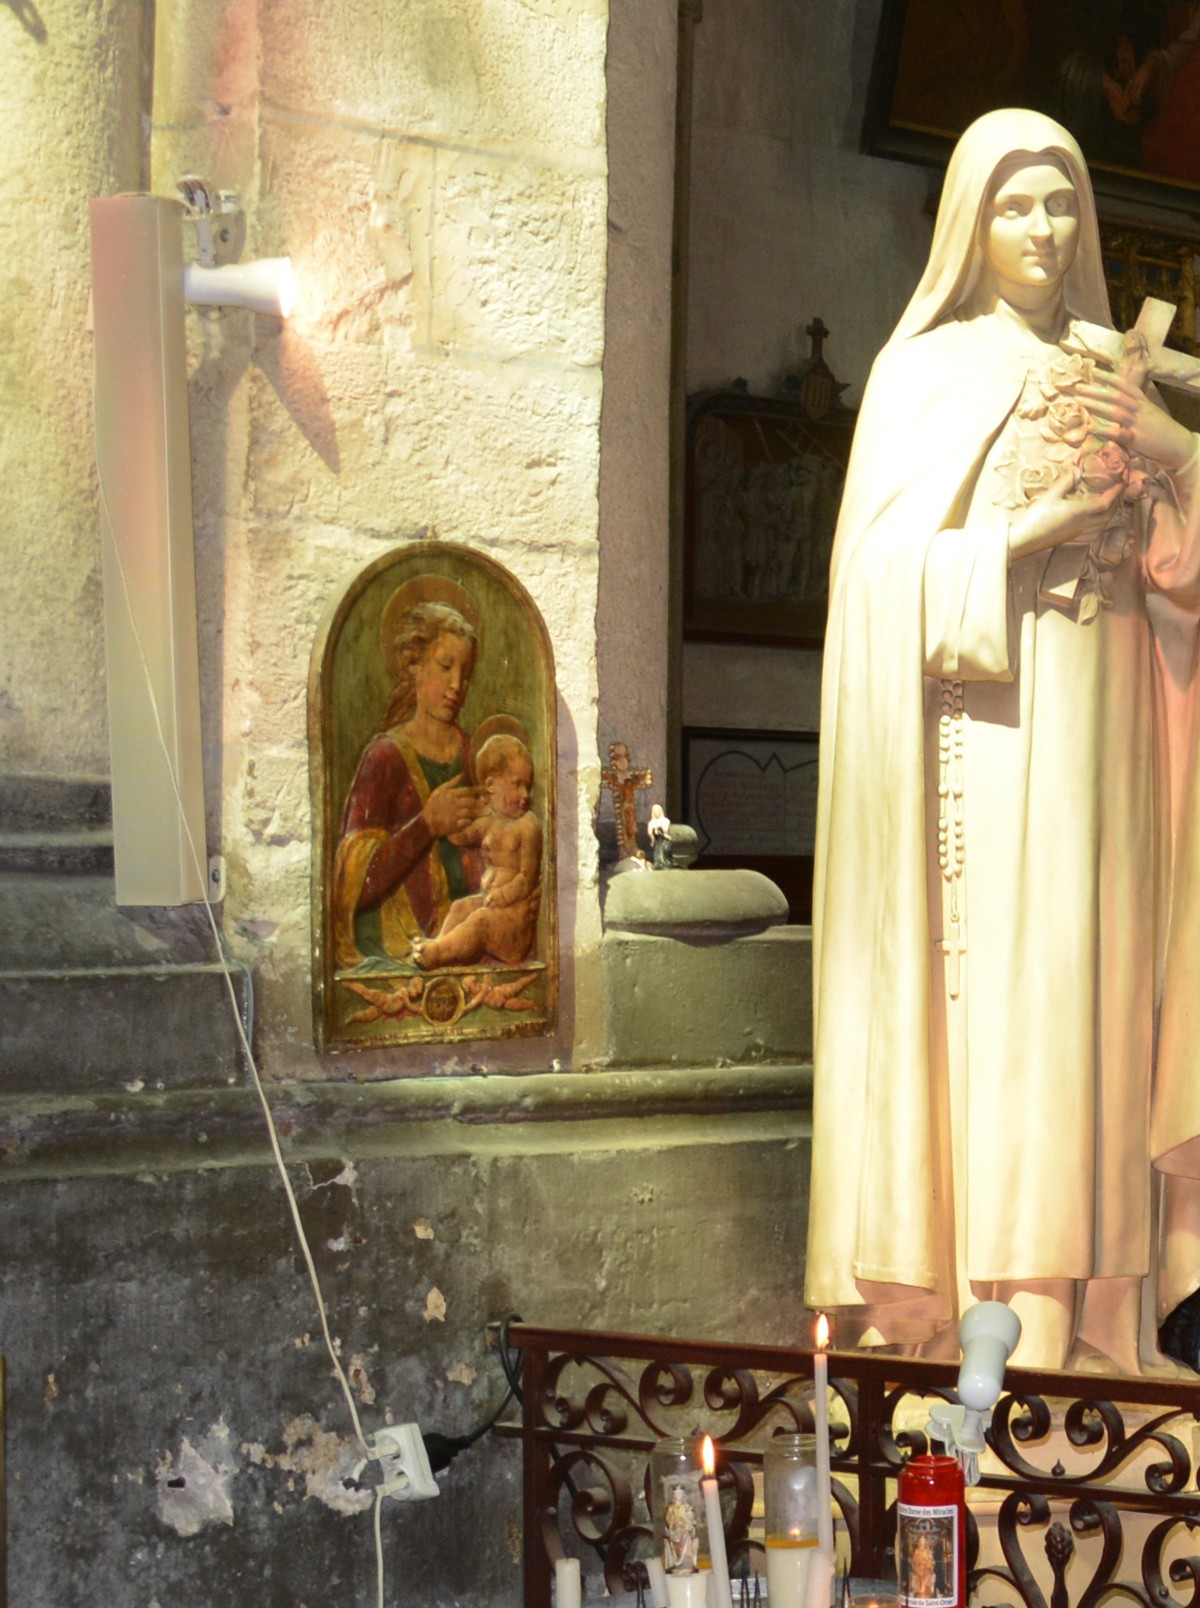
513 1375
441 1449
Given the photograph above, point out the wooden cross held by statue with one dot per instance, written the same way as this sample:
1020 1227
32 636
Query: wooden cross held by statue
623 781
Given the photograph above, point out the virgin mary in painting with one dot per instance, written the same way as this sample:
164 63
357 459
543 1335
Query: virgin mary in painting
397 872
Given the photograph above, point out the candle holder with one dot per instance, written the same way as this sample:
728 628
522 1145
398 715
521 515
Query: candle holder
677 1505
790 1504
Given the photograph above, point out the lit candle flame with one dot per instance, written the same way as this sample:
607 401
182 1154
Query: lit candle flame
822 1333
708 1456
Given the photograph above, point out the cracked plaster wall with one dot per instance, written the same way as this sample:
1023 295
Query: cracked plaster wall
174 1432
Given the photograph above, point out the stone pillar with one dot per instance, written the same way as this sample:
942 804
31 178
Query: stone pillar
74 101
437 174
632 629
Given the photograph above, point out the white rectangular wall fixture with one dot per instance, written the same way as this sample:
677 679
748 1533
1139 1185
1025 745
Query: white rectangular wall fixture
144 459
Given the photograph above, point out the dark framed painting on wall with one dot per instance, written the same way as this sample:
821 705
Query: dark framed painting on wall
1122 75
762 487
751 797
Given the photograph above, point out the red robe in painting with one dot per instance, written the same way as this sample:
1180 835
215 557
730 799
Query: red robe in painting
387 858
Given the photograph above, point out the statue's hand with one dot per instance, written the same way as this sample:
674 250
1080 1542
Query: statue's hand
450 807
1122 412
1057 516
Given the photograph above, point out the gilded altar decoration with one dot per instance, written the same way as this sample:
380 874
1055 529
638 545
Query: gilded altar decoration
432 740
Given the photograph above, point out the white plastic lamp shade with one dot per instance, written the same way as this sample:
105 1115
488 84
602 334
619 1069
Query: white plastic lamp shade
265 286
144 460
988 1335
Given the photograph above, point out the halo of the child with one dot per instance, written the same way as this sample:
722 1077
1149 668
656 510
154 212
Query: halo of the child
495 726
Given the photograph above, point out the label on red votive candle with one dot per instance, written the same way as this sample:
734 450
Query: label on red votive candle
927 1555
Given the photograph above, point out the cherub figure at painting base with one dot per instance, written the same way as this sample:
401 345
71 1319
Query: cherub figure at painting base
501 920
1008 690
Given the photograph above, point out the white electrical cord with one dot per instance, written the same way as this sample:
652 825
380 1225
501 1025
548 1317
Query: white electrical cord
247 1051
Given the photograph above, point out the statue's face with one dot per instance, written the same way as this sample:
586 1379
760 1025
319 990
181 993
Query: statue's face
1031 227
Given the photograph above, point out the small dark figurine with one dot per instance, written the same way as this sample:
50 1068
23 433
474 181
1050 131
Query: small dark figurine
658 829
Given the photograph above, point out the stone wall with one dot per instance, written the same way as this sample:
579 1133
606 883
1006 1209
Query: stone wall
442 174
74 102
790 221
437 173
632 632
438 176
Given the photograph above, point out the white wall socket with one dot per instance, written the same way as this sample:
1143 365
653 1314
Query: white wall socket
404 1463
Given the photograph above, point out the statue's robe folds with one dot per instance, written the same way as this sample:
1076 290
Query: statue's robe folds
1021 1108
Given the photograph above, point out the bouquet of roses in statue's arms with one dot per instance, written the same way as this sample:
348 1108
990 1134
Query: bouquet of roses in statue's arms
1055 435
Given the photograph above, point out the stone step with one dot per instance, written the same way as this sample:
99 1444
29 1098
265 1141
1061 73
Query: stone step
32 803
73 922
73 852
101 1031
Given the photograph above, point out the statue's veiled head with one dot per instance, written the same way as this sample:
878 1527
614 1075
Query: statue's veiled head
1023 156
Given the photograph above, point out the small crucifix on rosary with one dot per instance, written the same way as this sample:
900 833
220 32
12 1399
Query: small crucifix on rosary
623 782
953 949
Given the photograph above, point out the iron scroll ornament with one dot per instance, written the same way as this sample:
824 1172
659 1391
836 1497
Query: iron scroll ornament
601 1401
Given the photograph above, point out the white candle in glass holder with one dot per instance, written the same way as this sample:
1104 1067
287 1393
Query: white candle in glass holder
688 1590
818 1592
568 1591
787 1571
821 1425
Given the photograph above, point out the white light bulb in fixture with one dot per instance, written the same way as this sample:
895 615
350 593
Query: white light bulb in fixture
265 286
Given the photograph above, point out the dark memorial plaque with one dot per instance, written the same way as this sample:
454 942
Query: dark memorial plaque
752 799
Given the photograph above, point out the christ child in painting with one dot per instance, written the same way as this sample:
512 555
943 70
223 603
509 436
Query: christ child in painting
500 920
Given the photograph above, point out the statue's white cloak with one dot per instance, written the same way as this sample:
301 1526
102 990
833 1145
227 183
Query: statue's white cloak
1033 1127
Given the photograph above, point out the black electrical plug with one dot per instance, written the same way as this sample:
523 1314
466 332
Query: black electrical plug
441 1449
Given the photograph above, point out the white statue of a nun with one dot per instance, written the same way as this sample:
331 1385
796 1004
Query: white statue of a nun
1005 718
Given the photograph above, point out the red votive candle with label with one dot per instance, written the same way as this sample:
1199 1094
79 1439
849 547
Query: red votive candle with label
931 1534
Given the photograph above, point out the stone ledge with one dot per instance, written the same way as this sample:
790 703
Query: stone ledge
85 851
738 1002
33 801
183 1130
693 906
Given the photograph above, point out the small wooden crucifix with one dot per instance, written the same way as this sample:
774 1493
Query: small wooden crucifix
623 781
953 948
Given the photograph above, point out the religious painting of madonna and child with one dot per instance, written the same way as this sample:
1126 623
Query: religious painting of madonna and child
431 729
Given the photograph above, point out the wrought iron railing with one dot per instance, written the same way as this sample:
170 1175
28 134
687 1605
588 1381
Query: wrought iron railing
1074 1460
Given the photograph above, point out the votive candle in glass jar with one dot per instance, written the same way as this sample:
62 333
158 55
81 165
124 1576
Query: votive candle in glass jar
676 1505
790 1516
